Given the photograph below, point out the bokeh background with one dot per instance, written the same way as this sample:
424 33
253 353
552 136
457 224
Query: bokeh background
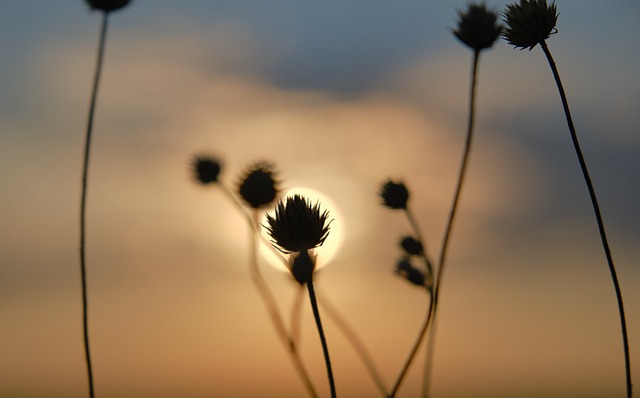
340 95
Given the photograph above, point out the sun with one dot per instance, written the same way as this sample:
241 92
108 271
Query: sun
331 245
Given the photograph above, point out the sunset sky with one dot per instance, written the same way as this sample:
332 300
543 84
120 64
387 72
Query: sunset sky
340 95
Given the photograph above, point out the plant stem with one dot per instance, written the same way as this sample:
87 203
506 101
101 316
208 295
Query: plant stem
452 214
83 197
272 309
354 340
416 231
428 317
596 210
423 330
323 340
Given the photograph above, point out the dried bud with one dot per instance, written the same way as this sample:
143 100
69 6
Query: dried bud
258 186
107 5
405 269
529 23
394 195
298 225
303 265
206 169
411 245
477 27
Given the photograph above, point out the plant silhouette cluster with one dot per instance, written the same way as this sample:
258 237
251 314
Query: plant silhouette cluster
298 227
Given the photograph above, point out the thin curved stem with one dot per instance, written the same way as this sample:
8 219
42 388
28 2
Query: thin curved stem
354 340
414 350
419 237
596 210
428 317
83 196
452 213
323 340
272 309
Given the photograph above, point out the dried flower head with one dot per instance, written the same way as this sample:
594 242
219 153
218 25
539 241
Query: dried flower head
258 186
405 269
107 5
303 265
411 245
298 225
529 23
394 195
206 169
477 27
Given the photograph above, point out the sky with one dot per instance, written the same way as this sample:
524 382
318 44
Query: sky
339 96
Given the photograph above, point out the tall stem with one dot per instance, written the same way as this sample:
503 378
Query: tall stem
428 320
272 309
596 210
323 340
452 215
429 315
83 197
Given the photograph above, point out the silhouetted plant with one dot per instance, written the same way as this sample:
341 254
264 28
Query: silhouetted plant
530 23
297 228
258 188
478 29
105 6
395 196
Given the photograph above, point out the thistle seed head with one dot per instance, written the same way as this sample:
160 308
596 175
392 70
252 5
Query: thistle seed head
529 23
394 195
298 225
258 186
405 269
477 27
411 246
205 169
107 5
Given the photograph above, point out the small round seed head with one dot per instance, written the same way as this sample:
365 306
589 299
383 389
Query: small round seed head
477 27
298 225
206 169
303 265
529 23
411 245
107 5
405 269
394 195
258 186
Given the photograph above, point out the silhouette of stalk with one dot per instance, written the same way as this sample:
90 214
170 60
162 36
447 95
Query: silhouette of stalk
530 23
428 320
83 197
596 210
323 340
272 308
452 215
414 350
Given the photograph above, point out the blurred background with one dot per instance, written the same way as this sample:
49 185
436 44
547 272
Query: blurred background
340 95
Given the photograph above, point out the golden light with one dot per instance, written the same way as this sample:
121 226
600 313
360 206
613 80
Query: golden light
331 245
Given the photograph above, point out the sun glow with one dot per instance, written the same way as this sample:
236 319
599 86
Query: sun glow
331 245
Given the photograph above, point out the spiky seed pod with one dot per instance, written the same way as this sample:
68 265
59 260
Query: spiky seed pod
298 225
394 195
206 169
411 245
258 186
529 23
107 5
477 27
